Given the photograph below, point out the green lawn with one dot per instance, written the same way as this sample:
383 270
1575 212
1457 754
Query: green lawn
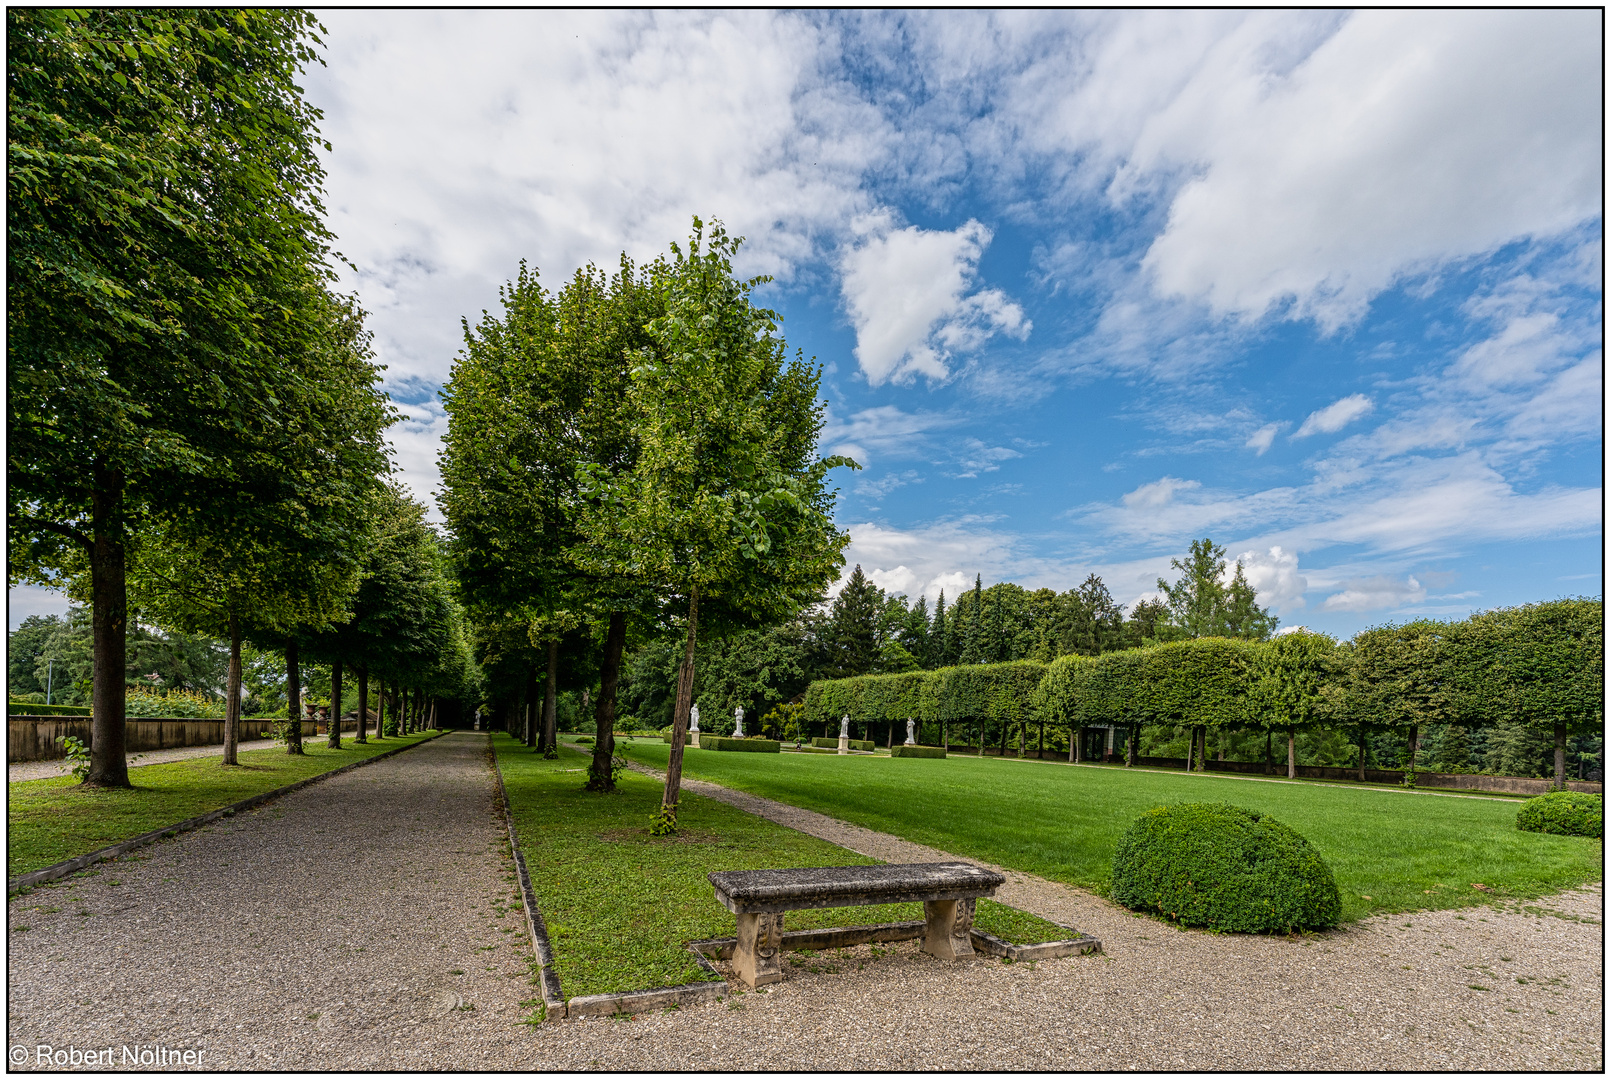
1391 851
52 820
621 906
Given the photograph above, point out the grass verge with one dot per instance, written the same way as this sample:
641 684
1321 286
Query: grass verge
55 819
1390 851
621 906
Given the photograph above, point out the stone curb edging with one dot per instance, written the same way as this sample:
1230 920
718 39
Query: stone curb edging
23 882
553 996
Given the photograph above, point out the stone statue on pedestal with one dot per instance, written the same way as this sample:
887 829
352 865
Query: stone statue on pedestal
693 719
844 726
738 721
911 739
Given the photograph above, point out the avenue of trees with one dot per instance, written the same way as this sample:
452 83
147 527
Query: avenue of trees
195 420
1530 674
630 458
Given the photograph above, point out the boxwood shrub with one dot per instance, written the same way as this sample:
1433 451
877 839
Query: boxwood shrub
1564 813
854 744
917 751
753 746
1225 868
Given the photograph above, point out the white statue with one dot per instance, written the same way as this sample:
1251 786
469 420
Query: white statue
844 726
693 719
911 739
738 721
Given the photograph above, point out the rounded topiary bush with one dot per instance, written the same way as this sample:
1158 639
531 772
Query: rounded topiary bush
1224 868
1564 813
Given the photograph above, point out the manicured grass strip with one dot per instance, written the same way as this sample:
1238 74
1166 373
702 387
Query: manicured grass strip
1389 851
52 820
621 905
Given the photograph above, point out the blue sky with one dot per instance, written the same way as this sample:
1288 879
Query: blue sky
1324 287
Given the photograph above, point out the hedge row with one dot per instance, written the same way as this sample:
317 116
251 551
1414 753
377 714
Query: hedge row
750 746
833 744
917 751
1540 664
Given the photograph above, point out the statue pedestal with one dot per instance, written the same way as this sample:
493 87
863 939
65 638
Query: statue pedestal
693 739
844 744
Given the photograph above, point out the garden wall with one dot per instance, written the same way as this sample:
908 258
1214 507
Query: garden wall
33 738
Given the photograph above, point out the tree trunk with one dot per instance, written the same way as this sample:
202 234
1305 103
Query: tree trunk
380 708
1004 738
1560 755
1073 744
1362 753
110 611
550 740
1077 752
531 707
363 706
604 714
1415 744
1269 751
293 694
431 718
679 712
335 705
400 710
1131 746
232 694
891 743
1292 753
1040 749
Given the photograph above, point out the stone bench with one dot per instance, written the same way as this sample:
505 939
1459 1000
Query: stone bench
759 898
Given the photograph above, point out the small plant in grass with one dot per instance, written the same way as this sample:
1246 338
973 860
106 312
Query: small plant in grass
663 822
1224 868
77 753
1563 813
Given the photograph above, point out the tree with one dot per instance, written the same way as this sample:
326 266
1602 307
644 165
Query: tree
725 501
1290 676
1538 665
164 247
1399 676
852 630
1203 605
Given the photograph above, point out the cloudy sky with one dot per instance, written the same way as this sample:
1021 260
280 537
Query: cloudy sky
1323 287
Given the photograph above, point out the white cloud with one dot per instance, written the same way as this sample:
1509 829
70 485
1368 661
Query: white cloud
1262 439
877 489
25 600
1375 593
1160 492
1336 416
1274 577
908 294
1403 140
884 430
416 439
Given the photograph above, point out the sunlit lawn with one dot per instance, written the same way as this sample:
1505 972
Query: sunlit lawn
1390 850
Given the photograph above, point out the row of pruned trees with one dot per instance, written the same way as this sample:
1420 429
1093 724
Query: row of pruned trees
195 423
631 456
1539 665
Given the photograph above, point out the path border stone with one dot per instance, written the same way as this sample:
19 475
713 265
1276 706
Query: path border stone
548 978
23 882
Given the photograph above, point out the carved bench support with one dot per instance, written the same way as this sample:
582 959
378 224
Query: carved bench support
760 940
947 933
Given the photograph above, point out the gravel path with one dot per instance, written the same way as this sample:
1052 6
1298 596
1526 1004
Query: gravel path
44 770
213 941
319 932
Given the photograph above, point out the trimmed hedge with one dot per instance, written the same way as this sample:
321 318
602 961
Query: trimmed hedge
917 751
833 744
36 708
753 746
1564 813
1225 868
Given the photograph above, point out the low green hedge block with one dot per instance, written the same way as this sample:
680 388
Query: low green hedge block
1225 868
35 708
1564 813
917 751
833 744
751 746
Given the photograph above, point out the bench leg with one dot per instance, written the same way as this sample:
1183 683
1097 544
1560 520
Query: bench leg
949 925
756 956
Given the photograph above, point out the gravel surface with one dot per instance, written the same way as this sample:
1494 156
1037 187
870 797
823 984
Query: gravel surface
212 943
44 770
